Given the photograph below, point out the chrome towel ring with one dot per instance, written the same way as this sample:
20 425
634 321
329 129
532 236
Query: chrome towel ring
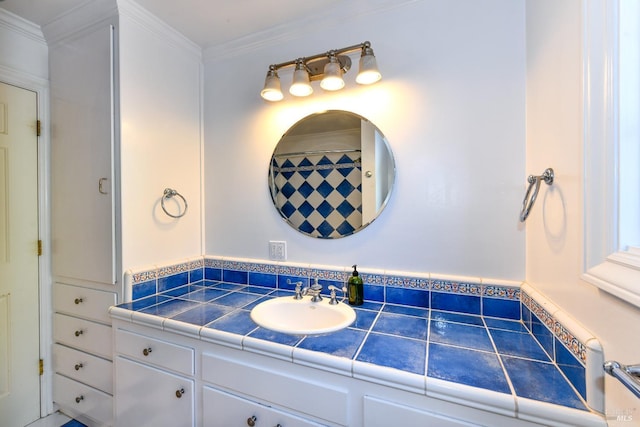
530 198
168 194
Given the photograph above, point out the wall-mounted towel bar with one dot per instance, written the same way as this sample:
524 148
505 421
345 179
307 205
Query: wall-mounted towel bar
168 194
530 198
627 375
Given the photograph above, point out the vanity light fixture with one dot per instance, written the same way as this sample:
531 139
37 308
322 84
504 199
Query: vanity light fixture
328 67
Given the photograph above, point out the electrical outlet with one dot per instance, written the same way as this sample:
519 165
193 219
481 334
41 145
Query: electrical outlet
277 250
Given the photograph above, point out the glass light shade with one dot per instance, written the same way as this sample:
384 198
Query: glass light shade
368 72
301 85
332 79
271 90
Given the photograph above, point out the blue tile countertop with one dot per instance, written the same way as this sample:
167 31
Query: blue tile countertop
496 356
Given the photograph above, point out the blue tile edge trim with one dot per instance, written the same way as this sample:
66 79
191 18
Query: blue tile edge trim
492 298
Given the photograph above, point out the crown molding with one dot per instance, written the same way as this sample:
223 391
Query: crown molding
158 27
334 17
21 26
79 19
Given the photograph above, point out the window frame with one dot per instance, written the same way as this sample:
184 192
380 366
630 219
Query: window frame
605 266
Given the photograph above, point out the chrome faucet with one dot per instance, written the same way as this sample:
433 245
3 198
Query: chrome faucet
314 290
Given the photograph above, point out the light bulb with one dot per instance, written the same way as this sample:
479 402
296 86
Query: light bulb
368 72
301 85
332 79
271 90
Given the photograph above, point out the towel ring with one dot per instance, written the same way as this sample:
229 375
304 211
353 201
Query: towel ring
529 198
169 193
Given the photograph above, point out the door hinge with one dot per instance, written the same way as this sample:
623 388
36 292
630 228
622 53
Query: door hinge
38 127
41 367
39 247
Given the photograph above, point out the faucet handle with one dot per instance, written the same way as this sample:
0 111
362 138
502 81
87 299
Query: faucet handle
298 290
334 298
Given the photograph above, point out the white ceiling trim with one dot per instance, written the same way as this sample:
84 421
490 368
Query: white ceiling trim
336 16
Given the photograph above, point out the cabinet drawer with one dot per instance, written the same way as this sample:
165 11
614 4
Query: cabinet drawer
83 367
276 388
83 302
379 412
83 334
151 350
221 409
79 398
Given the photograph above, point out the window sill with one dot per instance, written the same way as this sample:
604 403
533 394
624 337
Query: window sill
618 275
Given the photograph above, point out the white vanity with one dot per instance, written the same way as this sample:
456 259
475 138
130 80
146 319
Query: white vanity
178 374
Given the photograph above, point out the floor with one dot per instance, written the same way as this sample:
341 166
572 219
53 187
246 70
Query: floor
56 420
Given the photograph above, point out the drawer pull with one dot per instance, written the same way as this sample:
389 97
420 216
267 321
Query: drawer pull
78 332
251 421
179 393
78 366
79 399
77 301
146 351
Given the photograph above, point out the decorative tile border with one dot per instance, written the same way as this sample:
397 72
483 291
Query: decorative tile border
143 276
456 287
560 331
495 291
443 284
407 282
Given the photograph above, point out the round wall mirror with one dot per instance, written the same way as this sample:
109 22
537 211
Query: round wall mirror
331 174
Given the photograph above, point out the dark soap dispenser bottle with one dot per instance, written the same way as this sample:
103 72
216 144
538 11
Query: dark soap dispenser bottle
356 290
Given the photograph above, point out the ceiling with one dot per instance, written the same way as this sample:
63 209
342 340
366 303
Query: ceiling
206 22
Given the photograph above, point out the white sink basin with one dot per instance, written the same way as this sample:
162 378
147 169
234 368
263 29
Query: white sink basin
302 317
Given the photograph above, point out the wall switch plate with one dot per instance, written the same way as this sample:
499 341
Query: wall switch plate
277 250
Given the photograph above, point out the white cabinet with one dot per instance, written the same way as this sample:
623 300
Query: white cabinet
83 367
82 334
225 386
82 156
82 352
222 409
156 371
81 400
155 351
85 220
149 396
154 381
310 399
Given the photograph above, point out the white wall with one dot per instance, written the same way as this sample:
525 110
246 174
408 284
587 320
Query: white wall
451 103
555 229
160 99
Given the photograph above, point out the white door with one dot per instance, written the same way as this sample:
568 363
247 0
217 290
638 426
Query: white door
19 309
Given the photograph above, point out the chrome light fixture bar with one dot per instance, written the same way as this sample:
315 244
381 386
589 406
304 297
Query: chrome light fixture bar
328 67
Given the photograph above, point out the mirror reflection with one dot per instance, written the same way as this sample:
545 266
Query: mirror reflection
331 174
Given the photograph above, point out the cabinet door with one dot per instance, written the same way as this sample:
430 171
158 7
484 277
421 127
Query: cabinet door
221 409
82 156
146 396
